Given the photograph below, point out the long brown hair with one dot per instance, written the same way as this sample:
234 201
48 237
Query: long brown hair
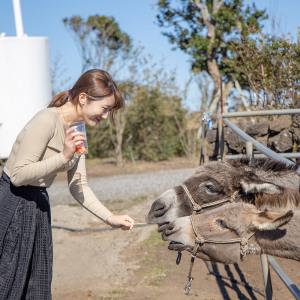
97 84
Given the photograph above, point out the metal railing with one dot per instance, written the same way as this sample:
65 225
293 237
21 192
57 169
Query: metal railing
260 155
266 260
261 113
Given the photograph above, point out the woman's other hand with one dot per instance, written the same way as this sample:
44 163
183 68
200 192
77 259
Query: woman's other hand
72 139
120 221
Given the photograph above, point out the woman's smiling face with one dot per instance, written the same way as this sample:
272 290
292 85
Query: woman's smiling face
93 111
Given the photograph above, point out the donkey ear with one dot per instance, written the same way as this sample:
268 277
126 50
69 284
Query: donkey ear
259 187
268 220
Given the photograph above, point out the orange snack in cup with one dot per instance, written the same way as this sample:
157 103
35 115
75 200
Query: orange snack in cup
80 149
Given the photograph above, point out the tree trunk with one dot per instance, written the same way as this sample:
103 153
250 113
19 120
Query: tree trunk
118 152
120 122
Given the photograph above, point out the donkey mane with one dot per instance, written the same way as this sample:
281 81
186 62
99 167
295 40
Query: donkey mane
265 164
287 199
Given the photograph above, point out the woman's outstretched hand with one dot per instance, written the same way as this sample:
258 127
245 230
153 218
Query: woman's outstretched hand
120 221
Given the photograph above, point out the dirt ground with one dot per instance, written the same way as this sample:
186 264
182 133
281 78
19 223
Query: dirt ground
137 265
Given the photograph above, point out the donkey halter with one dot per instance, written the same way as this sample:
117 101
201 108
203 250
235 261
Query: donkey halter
200 240
197 207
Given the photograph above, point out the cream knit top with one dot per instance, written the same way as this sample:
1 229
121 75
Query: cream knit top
36 158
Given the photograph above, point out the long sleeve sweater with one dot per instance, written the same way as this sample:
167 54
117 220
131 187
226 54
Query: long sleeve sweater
36 158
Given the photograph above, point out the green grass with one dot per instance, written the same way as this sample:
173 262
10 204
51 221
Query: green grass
115 294
153 269
153 241
156 275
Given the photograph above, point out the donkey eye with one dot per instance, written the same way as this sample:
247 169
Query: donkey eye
210 189
221 223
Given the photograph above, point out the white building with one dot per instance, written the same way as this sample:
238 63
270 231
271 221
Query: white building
25 84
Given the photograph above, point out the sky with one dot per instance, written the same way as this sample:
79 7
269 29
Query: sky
135 17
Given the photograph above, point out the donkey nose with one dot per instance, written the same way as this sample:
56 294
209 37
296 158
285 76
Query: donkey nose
161 206
157 210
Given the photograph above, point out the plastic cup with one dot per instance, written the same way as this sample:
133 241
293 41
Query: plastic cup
82 148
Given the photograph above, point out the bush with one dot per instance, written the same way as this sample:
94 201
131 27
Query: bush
152 126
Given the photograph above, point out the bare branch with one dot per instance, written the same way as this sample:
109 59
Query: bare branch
206 19
217 5
186 87
204 11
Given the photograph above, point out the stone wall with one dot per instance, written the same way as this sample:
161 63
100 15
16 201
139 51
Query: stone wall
281 134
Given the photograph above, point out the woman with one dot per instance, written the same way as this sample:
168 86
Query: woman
46 146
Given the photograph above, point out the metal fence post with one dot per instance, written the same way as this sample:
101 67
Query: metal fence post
263 258
267 277
221 142
203 145
249 150
286 280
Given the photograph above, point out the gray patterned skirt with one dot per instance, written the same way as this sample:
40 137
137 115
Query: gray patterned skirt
25 242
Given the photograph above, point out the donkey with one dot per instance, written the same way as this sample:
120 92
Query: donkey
230 232
264 182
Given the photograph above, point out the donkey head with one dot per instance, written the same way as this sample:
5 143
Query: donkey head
265 183
234 225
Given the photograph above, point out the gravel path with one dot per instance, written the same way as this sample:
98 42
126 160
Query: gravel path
123 187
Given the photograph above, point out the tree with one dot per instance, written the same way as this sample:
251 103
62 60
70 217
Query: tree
208 31
101 43
128 90
269 68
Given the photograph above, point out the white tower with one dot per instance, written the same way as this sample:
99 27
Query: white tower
25 85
